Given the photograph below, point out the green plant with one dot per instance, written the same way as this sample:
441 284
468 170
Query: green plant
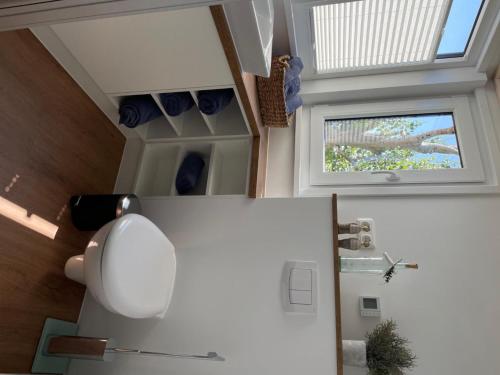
387 353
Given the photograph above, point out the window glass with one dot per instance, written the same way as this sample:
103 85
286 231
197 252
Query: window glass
409 142
459 27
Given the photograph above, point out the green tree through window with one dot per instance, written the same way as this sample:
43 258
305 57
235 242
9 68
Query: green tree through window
391 143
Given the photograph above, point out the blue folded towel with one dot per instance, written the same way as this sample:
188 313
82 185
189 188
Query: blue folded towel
294 70
293 103
211 102
292 88
189 173
136 110
177 102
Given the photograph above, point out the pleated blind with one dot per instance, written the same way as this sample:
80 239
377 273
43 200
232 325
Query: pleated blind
374 33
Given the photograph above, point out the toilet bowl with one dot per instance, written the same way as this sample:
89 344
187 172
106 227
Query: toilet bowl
129 267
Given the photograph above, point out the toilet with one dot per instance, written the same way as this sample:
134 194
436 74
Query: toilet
129 267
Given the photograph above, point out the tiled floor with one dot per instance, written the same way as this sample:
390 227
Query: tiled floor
58 143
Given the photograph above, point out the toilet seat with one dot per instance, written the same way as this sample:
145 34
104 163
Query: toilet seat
137 268
129 267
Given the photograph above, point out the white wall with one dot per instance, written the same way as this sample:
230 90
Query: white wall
280 157
230 254
449 309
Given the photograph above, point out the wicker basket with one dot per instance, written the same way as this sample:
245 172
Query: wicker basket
272 95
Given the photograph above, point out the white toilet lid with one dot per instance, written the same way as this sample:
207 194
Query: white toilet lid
138 268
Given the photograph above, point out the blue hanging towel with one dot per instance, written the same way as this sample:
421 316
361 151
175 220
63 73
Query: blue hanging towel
292 88
211 102
293 103
177 102
189 173
136 110
294 70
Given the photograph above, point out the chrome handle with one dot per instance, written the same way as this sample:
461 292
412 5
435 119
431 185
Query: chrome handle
211 356
391 176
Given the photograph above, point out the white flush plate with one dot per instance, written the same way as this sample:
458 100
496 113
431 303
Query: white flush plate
299 287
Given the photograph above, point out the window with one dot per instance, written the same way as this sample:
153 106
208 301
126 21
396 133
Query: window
365 34
373 33
416 141
459 28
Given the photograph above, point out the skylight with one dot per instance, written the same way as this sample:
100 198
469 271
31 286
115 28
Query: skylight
376 33
459 28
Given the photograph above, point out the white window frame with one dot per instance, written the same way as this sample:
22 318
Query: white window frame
472 170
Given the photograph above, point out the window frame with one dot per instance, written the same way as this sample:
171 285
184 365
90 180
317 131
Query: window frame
301 39
459 106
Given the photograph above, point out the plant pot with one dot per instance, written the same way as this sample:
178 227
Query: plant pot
354 353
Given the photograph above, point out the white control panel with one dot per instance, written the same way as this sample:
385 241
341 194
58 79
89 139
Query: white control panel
299 287
369 306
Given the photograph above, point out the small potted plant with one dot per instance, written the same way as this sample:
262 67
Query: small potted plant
384 352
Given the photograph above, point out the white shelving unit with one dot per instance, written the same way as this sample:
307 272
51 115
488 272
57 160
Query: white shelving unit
223 140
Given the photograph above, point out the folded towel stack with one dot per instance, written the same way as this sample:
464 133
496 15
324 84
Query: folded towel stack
177 102
211 102
189 173
292 84
137 110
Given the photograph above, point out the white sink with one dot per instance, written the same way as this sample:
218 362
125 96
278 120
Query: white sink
251 23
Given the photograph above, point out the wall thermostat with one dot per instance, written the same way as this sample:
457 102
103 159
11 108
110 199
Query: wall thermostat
369 306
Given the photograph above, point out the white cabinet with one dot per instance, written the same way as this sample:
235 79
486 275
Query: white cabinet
168 50
150 54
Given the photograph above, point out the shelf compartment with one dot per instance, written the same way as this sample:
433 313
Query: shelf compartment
157 169
176 124
206 150
160 127
187 124
230 165
210 121
229 121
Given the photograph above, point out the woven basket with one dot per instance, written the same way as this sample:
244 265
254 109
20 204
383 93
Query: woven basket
272 95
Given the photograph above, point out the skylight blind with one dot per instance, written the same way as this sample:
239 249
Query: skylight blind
374 33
